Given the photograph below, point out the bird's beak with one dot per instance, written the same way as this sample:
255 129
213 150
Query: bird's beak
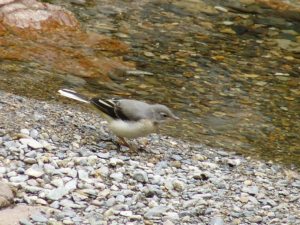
175 118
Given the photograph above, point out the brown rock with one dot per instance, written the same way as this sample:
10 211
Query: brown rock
12 216
52 37
176 164
6 195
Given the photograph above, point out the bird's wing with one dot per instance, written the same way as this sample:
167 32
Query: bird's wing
111 107
135 110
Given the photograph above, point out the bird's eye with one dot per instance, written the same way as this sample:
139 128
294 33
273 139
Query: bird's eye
164 115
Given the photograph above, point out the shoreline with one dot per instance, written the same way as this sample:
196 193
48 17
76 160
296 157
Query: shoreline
74 170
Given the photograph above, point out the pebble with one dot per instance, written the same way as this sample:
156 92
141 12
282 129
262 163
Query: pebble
179 185
117 176
38 217
155 211
35 171
55 138
25 222
216 221
29 160
34 133
82 185
140 176
25 131
31 143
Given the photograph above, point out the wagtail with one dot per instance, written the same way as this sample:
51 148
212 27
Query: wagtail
126 118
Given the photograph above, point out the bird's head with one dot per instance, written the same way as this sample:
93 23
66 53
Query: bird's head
163 113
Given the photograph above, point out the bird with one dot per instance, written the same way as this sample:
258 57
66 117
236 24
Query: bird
126 118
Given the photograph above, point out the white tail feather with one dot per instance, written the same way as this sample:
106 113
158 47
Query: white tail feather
66 93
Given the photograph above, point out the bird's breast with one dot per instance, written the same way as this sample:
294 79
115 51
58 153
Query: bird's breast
134 129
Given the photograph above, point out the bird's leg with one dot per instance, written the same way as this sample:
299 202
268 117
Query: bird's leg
134 148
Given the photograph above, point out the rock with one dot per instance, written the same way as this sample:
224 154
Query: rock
179 185
72 173
6 195
152 190
57 182
153 204
34 133
168 222
32 189
117 176
31 143
216 221
104 155
169 185
176 164
78 197
57 193
17 213
31 154
248 182
30 161
110 202
126 213
171 216
49 168
55 138
35 171
155 211
19 178
255 219
71 185
252 190
55 205
189 203
83 174
120 198
25 222
140 176
46 145
115 161
25 131
103 171
2 170
38 217
108 213
70 204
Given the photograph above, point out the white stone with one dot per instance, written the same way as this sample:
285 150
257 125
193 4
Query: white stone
57 182
126 213
35 171
31 143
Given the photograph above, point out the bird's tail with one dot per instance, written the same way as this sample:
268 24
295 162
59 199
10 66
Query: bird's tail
74 95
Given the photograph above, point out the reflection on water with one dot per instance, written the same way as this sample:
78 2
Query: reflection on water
236 92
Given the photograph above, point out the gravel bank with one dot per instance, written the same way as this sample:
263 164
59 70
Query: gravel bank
72 168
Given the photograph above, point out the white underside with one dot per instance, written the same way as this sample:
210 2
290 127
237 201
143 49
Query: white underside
131 129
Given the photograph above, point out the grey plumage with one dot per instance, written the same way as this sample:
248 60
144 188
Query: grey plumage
126 118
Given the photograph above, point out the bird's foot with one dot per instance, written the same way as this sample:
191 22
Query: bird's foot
133 148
